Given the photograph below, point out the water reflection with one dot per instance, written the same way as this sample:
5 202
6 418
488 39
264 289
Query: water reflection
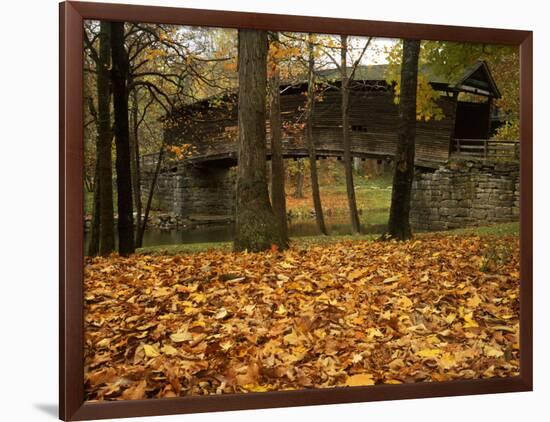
224 233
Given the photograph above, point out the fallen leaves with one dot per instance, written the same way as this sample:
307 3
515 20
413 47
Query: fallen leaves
359 379
356 274
169 350
428 353
447 361
221 314
136 391
469 321
181 336
346 314
150 351
493 352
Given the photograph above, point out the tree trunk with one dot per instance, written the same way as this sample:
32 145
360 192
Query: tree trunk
399 225
105 143
89 182
122 142
141 228
256 226
310 142
136 174
93 247
357 166
346 139
299 180
278 198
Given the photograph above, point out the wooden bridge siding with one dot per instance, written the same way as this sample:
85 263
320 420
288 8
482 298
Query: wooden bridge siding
378 114
373 111
210 134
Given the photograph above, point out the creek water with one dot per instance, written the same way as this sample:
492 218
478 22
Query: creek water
154 236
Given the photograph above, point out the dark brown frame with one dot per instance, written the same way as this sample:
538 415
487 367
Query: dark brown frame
71 303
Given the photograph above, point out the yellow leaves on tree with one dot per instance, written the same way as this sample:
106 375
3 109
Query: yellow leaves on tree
181 151
426 97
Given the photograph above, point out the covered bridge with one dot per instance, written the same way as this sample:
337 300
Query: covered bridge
210 125
202 185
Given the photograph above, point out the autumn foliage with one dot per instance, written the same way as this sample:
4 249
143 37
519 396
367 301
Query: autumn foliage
345 314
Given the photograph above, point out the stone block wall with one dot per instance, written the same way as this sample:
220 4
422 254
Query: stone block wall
463 194
208 191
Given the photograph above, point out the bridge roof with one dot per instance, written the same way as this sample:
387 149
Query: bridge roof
477 79
377 72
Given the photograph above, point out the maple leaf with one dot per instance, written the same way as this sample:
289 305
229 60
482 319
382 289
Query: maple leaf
473 302
281 310
392 381
150 351
493 352
470 321
356 358
135 392
359 380
169 350
356 274
447 361
181 336
374 332
391 279
450 318
221 314
292 338
162 291
428 353
404 302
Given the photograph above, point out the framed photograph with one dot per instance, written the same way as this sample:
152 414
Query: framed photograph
267 210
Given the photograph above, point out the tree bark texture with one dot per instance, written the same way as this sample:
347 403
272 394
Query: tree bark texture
278 197
143 226
346 139
310 141
136 174
93 246
104 143
399 224
256 227
299 179
120 67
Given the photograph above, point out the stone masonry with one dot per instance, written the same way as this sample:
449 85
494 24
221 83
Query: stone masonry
466 193
459 194
205 191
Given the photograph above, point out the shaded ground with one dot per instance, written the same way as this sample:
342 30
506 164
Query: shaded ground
342 313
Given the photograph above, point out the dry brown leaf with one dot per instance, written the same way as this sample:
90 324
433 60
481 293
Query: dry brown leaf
359 379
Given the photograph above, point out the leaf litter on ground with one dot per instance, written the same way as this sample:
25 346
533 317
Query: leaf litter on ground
345 314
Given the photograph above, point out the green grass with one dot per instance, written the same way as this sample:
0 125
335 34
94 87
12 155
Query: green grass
308 241
371 193
185 248
373 197
505 229
296 242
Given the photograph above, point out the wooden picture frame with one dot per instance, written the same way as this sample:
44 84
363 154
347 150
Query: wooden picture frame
71 338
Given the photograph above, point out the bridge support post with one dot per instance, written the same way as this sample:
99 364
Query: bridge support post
205 191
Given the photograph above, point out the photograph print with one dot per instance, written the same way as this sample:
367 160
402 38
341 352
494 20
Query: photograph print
273 211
